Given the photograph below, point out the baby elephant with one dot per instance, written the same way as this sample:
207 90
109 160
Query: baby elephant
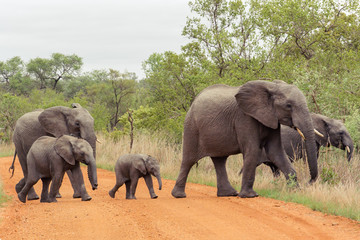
50 157
129 168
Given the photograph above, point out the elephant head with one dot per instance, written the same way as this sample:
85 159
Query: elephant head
334 133
75 121
73 149
149 165
275 103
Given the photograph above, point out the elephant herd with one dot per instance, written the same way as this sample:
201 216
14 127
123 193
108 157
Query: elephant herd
268 122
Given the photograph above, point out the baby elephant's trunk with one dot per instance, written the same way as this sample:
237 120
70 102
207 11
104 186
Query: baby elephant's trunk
92 174
160 182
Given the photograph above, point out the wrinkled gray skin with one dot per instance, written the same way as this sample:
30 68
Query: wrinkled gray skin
50 157
334 131
225 120
54 121
129 168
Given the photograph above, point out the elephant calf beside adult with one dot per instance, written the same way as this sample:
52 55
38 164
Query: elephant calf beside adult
331 132
55 122
226 120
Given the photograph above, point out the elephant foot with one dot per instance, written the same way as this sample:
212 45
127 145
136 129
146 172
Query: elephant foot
178 193
230 193
131 197
32 196
22 197
44 200
51 200
154 196
248 194
86 197
112 194
76 195
58 195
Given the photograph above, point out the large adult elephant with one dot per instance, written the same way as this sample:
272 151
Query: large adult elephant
331 132
226 120
54 121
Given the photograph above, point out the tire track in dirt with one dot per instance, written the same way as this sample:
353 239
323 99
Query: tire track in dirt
201 215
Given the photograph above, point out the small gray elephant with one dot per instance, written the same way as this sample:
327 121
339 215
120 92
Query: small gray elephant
129 168
50 157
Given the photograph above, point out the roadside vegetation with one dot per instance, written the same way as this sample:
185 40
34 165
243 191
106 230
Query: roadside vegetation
313 44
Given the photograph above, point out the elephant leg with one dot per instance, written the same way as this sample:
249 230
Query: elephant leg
19 186
77 190
55 185
250 162
79 181
45 190
149 184
31 195
127 184
118 184
275 170
223 185
25 190
277 155
133 185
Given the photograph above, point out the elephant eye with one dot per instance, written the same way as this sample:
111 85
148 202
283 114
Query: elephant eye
288 106
77 123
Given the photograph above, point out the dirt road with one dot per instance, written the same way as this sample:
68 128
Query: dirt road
201 215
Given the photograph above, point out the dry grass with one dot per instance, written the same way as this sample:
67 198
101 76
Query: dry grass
6 149
336 191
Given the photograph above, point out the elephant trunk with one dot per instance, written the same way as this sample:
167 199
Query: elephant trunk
92 174
311 152
159 181
304 123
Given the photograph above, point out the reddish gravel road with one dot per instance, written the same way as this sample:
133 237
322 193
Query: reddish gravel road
200 216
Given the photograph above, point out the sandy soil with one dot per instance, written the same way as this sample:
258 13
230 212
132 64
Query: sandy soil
201 215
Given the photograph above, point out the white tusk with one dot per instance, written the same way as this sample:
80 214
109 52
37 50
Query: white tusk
348 149
301 134
318 133
98 141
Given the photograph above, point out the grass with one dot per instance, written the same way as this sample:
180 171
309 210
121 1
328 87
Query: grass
5 151
337 190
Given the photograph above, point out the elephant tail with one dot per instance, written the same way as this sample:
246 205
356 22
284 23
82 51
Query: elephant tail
12 167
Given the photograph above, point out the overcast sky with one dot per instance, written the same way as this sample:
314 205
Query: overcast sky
118 34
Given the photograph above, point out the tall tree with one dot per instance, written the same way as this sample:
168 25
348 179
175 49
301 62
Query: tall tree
51 71
10 68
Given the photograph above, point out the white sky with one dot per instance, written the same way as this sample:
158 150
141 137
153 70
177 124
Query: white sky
118 34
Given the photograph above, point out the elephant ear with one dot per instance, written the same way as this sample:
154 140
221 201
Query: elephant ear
139 164
63 147
76 105
255 98
53 120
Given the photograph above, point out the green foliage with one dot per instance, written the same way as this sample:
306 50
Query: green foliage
11 108
328 175
353 126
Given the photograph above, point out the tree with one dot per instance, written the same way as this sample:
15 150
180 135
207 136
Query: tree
59 67
10 68
122 85
225 38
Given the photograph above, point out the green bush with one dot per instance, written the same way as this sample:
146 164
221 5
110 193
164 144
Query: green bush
329 175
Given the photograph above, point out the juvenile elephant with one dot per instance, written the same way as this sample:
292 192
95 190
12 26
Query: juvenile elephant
331 132
54 121
129 168
50 157
226 120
